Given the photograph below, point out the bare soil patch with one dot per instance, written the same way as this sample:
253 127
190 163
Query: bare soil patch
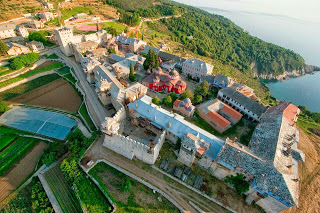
21 171
57 94
309 174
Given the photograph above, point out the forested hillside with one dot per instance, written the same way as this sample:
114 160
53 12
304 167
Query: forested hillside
216 37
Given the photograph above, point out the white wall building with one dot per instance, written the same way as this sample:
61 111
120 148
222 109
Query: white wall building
7 31
196 68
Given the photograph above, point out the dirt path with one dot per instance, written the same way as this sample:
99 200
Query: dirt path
309 172
57 94
176 191
21 170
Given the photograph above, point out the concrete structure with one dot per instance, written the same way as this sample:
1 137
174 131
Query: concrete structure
46 15
113 58
22 31
243 89
159 81
7 31
36 24
222 81
196 68
122 68
129 44
241 103
17 49
219 115
185 107
35 46
191 146
81 15
88 64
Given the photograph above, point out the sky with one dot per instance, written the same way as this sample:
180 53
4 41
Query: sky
306 10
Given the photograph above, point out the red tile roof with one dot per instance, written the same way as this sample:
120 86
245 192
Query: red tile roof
290 113
218 119
176 103
201 150
234 113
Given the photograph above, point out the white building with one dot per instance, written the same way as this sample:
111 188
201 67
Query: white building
64 36
241 103
22 31
196 68
35 46
7 31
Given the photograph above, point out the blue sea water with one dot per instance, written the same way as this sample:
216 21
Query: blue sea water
291 33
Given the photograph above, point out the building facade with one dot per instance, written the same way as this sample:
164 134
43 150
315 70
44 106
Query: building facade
241 103
185 107
35 46
196 68
7 31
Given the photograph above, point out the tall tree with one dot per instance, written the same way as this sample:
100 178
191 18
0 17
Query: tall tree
3 48
131 74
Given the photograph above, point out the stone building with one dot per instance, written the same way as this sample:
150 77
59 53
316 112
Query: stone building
159 81
129 44
222 81
241 103
22 31
185 107
35 46
219 115
17 49
36 24
7 31
196 68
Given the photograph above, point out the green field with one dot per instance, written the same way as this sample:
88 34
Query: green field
5 70
64 194
63 70
92 199
70 78
127 194
85 115
28 86
14 152
5 140
31 73
53 56
118 26
68 13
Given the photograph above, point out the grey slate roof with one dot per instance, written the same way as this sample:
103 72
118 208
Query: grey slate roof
178 127
199 64
126 40
244 101
222 79
7 27
147 48
267 178
169 57
116 57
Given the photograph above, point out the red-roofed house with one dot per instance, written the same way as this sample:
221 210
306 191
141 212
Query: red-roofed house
219 115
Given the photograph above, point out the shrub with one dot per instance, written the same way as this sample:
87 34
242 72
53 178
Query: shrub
156 101
3 107
238 182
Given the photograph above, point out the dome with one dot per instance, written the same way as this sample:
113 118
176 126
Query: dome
174 73
187 100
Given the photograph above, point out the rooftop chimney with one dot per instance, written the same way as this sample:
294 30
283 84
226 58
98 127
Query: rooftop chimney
234 140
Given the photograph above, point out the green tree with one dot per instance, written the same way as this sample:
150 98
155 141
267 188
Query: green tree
202 89
38 36
186 94
112 51
174 96
3 107
152 60
131 74
197 99
126 185
167 101
156 101
3 48
70 168
238 182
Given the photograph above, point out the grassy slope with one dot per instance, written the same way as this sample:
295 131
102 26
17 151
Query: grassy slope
138 199
31 73
85 115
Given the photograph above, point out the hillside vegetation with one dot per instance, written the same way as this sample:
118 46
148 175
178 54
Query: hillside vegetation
216 37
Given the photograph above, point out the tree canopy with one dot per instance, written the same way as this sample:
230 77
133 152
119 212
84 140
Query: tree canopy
152 60
238 182
24 60
3 48
156 101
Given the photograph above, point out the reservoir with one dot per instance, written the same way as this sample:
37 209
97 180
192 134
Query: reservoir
304 91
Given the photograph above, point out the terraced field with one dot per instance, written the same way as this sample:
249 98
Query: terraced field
5 141
63 193
13 153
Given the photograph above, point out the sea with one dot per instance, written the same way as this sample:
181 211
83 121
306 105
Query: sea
301 36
